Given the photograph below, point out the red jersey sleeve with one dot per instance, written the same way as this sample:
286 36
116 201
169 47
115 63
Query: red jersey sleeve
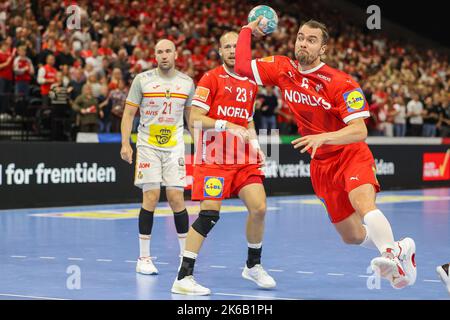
205 91
350 101
266 70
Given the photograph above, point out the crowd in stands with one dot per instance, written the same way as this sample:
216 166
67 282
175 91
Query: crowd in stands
73 76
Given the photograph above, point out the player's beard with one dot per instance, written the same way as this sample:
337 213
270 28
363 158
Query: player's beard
306 59
229 64
165 67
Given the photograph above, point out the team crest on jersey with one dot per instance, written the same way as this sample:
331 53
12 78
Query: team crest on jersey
267 59
201 93
140 175
181 162
168 94
164 136
354 100
319 87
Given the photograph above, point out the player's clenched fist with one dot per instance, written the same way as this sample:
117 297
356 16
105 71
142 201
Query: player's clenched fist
126 153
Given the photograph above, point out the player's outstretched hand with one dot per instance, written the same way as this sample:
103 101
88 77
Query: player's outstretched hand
313 141
256 30
126 153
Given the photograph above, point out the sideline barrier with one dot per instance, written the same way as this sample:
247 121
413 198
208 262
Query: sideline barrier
57 174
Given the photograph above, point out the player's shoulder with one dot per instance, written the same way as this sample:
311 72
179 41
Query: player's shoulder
334 75
147 75
184 77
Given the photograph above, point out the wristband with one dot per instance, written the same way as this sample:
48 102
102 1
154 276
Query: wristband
220 125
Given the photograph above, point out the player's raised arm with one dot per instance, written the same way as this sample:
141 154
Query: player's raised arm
244 50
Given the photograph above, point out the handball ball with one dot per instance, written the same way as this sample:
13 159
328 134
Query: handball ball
269 22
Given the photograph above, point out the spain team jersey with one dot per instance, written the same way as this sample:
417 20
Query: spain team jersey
161 102
225 96
322 99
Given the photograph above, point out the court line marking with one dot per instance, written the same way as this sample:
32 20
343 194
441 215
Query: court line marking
364 276
275 270
305 272
75 259
251 296
31 297
47 258
21 257
104 260
335 274
161 263
426 280
219 267
131 261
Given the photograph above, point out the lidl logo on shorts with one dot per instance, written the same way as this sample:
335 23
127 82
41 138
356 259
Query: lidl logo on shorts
213 187
355 100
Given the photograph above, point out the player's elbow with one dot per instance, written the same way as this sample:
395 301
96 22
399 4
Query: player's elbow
362 133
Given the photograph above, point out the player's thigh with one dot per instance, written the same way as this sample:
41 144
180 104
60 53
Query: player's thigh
174 168
362 199
351 229
148 167
211 205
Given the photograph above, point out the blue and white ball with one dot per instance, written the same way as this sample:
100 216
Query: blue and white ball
269 22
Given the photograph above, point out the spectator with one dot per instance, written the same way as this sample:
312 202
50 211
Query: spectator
6 76
399 117
59 98
269 107
444 118
46 77
430 118
65 57
24 72
414 110
88 113
77 83
116 102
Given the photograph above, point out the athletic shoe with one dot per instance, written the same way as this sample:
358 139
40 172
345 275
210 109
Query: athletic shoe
443 272
390 268
407 256
190 287
258 275
145 266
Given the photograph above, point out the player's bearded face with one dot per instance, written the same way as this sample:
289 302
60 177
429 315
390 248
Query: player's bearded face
308 46
228 54
165 59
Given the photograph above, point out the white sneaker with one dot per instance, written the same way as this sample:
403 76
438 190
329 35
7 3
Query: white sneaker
443 272
258 275
145 266
390 268
407 256
190 287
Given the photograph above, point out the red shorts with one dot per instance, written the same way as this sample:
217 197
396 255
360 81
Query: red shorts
215 183
335 176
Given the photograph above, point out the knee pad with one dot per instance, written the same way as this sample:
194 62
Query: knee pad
206 221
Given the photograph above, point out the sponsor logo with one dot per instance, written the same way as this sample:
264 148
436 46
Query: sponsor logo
201 94
151 113
144 165
306 99
181 162
436 166
140 175
355 100
321 76
267 59
229 89
233 112
354 178
213 187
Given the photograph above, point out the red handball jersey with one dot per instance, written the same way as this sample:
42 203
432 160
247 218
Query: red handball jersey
322 99
229 97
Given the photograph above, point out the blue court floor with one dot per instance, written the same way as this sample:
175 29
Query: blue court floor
90 252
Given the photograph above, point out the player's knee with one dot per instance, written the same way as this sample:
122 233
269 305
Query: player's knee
150 198
259 211
353 238
205 221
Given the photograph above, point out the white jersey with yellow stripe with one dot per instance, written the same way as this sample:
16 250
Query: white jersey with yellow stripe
161 102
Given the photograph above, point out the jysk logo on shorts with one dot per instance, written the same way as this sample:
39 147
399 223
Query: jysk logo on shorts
354 100
213 187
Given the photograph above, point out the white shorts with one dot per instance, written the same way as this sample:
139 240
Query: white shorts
158 167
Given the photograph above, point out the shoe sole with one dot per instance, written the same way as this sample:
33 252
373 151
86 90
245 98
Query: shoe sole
189 293
408 265
386 271
146 273
259 285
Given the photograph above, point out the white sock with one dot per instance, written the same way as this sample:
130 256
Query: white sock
190 254
254 245
368 243
144 245
380 231
182 242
